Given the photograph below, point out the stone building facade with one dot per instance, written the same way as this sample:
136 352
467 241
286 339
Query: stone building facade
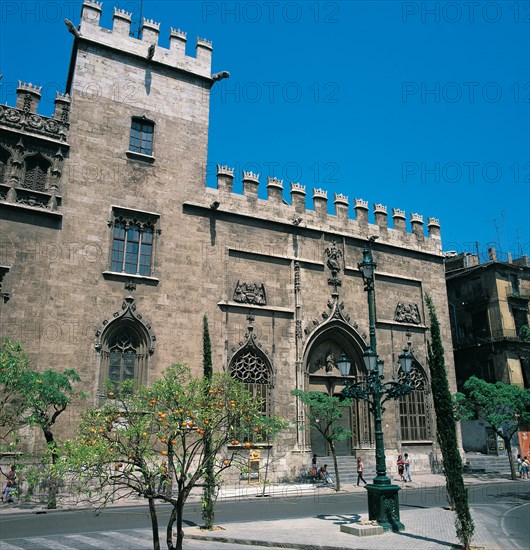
488 305
113 249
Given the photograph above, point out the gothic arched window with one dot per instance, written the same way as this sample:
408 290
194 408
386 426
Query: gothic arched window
255 373
414 408
124 353
36 173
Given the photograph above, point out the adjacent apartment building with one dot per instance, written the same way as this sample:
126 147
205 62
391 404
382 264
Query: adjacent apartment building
488 306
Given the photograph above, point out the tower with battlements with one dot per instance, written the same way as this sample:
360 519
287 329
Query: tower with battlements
113 249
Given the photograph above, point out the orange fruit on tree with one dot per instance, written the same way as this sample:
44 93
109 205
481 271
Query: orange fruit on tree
226 462
164 453
247 444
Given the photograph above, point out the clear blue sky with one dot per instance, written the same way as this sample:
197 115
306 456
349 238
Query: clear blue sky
422 106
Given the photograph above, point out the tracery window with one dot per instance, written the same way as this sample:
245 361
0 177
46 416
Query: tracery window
256 374
36 173
132 244
124 354
414 408
141 140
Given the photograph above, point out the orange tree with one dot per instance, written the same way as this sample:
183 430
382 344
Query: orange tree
122 445
14 363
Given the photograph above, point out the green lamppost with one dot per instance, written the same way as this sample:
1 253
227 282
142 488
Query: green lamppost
383 501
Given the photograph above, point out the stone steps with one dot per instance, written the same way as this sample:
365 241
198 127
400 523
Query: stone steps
487 464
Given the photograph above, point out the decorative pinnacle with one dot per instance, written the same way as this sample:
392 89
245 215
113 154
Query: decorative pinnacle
342 199
250 176
122 14
380 208
320 194
297 188
29 87
204 42
93 4
62 97
178 33
359 203
416 218
225 171
274 182
398 213
435 222
151 24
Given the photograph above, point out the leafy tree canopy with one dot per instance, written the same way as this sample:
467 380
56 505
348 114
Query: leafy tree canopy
502 405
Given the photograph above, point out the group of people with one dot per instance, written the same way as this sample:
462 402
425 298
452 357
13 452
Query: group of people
320 473
524 467
403 464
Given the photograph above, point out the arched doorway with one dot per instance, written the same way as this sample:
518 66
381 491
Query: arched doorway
323 349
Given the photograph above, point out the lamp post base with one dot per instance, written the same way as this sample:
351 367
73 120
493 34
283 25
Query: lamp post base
383 506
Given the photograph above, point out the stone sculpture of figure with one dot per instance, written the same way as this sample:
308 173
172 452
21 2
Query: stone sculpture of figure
334 255
330 362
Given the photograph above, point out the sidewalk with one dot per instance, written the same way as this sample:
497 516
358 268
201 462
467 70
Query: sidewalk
425 528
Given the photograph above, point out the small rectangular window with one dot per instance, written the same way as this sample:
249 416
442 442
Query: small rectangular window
141 140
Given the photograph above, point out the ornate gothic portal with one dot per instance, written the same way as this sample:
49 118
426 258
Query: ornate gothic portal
326 344
323 375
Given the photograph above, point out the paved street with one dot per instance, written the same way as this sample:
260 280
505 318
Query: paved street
293 517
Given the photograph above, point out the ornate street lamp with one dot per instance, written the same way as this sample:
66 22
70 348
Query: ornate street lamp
344 365
383 501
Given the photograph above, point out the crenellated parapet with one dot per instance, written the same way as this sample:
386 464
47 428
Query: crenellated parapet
381 216
24 118
320 202
146 46
274 189
361 211
297 214
225 178
341 206
298 195
416 222
250 184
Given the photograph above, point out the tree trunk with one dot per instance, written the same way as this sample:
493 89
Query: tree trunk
176 517
335 465
169 530
52 488
154 524
508 445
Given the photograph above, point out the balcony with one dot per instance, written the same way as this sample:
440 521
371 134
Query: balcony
505 335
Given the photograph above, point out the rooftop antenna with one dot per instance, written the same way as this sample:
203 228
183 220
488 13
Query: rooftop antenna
477 249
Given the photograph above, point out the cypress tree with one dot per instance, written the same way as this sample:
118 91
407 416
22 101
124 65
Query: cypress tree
209 493
446 432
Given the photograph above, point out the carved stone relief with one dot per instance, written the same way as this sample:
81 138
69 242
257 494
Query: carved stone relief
407 313
250 293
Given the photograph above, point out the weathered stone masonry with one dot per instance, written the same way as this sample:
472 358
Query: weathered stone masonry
260 268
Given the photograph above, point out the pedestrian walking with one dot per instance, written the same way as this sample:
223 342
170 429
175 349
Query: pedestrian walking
360 471
406 459
526 468
11 485
401 467
520 466
314 466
